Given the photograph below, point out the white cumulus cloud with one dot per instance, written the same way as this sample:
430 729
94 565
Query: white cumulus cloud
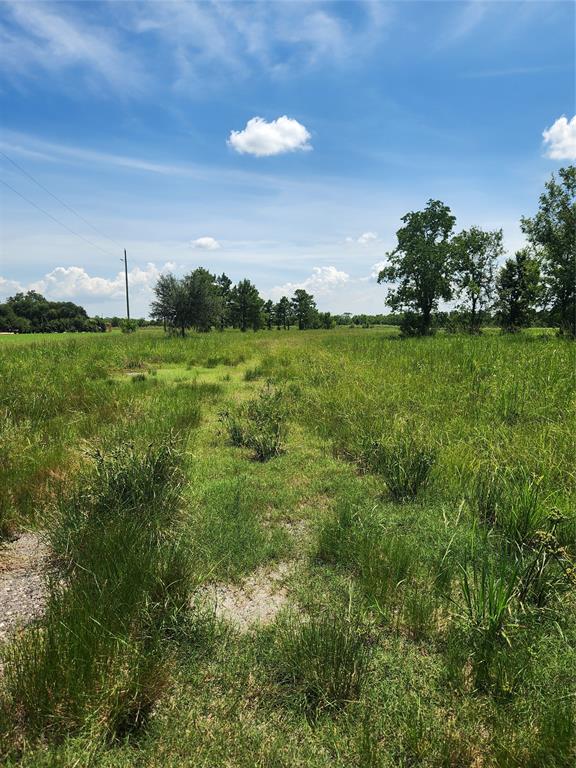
262 139
364 239
206 243
74 283
322 281
560 139
8 287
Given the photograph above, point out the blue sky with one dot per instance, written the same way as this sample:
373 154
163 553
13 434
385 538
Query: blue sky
279 141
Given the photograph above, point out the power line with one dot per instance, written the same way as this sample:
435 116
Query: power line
42 186
30 202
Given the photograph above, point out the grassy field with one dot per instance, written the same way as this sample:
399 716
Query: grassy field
416 496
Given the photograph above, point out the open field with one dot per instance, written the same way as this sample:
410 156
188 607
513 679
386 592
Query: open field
292 548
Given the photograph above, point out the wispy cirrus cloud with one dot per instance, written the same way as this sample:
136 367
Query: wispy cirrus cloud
41 36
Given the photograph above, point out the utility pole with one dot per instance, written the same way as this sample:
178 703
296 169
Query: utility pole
125 260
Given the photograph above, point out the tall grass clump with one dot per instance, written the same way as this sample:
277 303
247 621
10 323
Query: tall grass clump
322 660
96 660
404 462
510 500
260 424
384 563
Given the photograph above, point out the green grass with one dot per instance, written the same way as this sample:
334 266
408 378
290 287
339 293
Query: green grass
424 490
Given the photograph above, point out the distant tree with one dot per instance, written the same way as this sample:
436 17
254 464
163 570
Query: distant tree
203 299
268 310
326 321
245 306
420 266
552 232
170 305
475 254
32 313
224 284
304 308
282 313
192 302
518 286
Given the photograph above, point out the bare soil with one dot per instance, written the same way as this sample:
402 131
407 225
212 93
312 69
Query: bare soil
23 565
255 600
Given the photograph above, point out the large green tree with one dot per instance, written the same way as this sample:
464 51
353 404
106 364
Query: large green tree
420 266
304 308
552 232
194 301
475 254
518 288
246 306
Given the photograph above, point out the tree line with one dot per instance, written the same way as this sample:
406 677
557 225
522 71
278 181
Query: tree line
431 263
202 301
32 313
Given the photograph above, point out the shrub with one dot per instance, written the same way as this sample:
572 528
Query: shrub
128 326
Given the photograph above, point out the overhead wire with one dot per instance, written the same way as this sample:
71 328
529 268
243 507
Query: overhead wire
58 199
61 223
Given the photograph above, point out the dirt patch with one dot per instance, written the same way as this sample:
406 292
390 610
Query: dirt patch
255 600
22 582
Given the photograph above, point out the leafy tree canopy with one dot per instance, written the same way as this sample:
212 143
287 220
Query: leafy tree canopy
420 265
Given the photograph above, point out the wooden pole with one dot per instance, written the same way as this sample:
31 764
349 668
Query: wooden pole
126 276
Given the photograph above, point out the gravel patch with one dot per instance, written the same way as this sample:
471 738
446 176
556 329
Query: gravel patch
255 600
22 582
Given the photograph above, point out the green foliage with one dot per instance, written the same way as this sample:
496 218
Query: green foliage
32 313
195 301
475 254
518 291
245 306
304 309
128 326
551 232
283 313
420 264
